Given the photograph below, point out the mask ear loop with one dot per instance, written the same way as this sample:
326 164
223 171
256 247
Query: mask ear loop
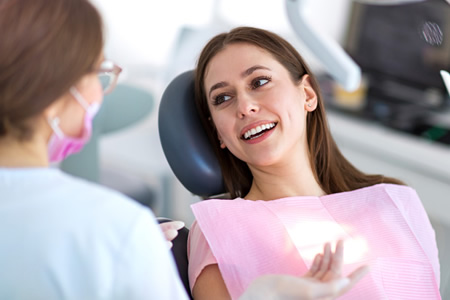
79 98
54 124
91 109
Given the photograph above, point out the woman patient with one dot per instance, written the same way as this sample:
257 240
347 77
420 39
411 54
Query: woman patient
293 190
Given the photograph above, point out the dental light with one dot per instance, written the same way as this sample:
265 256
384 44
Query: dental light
334 59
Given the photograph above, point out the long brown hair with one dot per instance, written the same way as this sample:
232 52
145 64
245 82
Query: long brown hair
333 172
46 47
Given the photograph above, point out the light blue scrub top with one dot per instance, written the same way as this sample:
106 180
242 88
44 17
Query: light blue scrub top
64 238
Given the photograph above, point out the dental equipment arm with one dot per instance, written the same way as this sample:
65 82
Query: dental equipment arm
335 60
446 77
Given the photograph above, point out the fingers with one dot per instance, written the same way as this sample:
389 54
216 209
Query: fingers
327 269
337 259
325 263
355 277
337 287
329 265
315 266
170 234
170 229
358 273
176 225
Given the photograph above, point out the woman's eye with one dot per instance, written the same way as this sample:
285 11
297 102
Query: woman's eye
260 82
221 99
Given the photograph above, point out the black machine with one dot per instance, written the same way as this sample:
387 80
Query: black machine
401 50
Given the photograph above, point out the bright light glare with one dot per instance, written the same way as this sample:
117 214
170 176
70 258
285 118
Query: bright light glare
310 236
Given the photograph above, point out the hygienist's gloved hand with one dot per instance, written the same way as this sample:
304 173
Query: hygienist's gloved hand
323 281
170 230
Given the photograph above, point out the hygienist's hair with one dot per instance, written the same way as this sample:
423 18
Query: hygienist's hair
46 47
333 172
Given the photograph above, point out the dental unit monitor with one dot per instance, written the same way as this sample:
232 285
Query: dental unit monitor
405 49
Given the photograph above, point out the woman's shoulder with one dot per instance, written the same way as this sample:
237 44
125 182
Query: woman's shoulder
394 190
389 188
402 196
399 195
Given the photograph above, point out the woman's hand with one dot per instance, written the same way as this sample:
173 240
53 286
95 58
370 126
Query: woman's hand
170 230
327 268
323 281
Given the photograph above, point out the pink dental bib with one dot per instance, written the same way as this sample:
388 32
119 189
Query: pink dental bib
384 226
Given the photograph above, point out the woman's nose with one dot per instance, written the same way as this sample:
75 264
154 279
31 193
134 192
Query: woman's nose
246 106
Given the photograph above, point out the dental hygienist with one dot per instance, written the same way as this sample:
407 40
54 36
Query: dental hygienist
64 238
61 237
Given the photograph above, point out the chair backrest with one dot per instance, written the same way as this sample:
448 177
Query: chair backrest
184 141
188 152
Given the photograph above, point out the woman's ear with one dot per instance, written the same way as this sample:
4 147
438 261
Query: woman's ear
222 144
309 92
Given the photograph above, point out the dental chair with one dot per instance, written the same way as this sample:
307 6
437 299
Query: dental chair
184 140
188 152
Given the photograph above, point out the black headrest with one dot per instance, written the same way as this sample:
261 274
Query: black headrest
184 140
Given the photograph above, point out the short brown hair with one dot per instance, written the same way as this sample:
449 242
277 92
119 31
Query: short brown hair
46 47
332 171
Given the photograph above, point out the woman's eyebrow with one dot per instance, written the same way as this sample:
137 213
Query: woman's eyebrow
217 86
246 73
250 70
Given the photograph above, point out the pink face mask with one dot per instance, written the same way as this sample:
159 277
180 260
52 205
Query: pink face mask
60 146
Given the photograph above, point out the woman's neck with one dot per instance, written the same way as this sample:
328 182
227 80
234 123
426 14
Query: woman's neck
288 179
23 154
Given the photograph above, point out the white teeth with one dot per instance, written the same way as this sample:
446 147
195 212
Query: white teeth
258 129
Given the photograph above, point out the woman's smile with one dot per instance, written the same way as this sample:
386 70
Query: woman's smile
257 132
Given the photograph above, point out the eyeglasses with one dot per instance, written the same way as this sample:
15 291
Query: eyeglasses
108 73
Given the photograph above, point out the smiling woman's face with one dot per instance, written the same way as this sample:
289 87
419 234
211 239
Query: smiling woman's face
259 112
